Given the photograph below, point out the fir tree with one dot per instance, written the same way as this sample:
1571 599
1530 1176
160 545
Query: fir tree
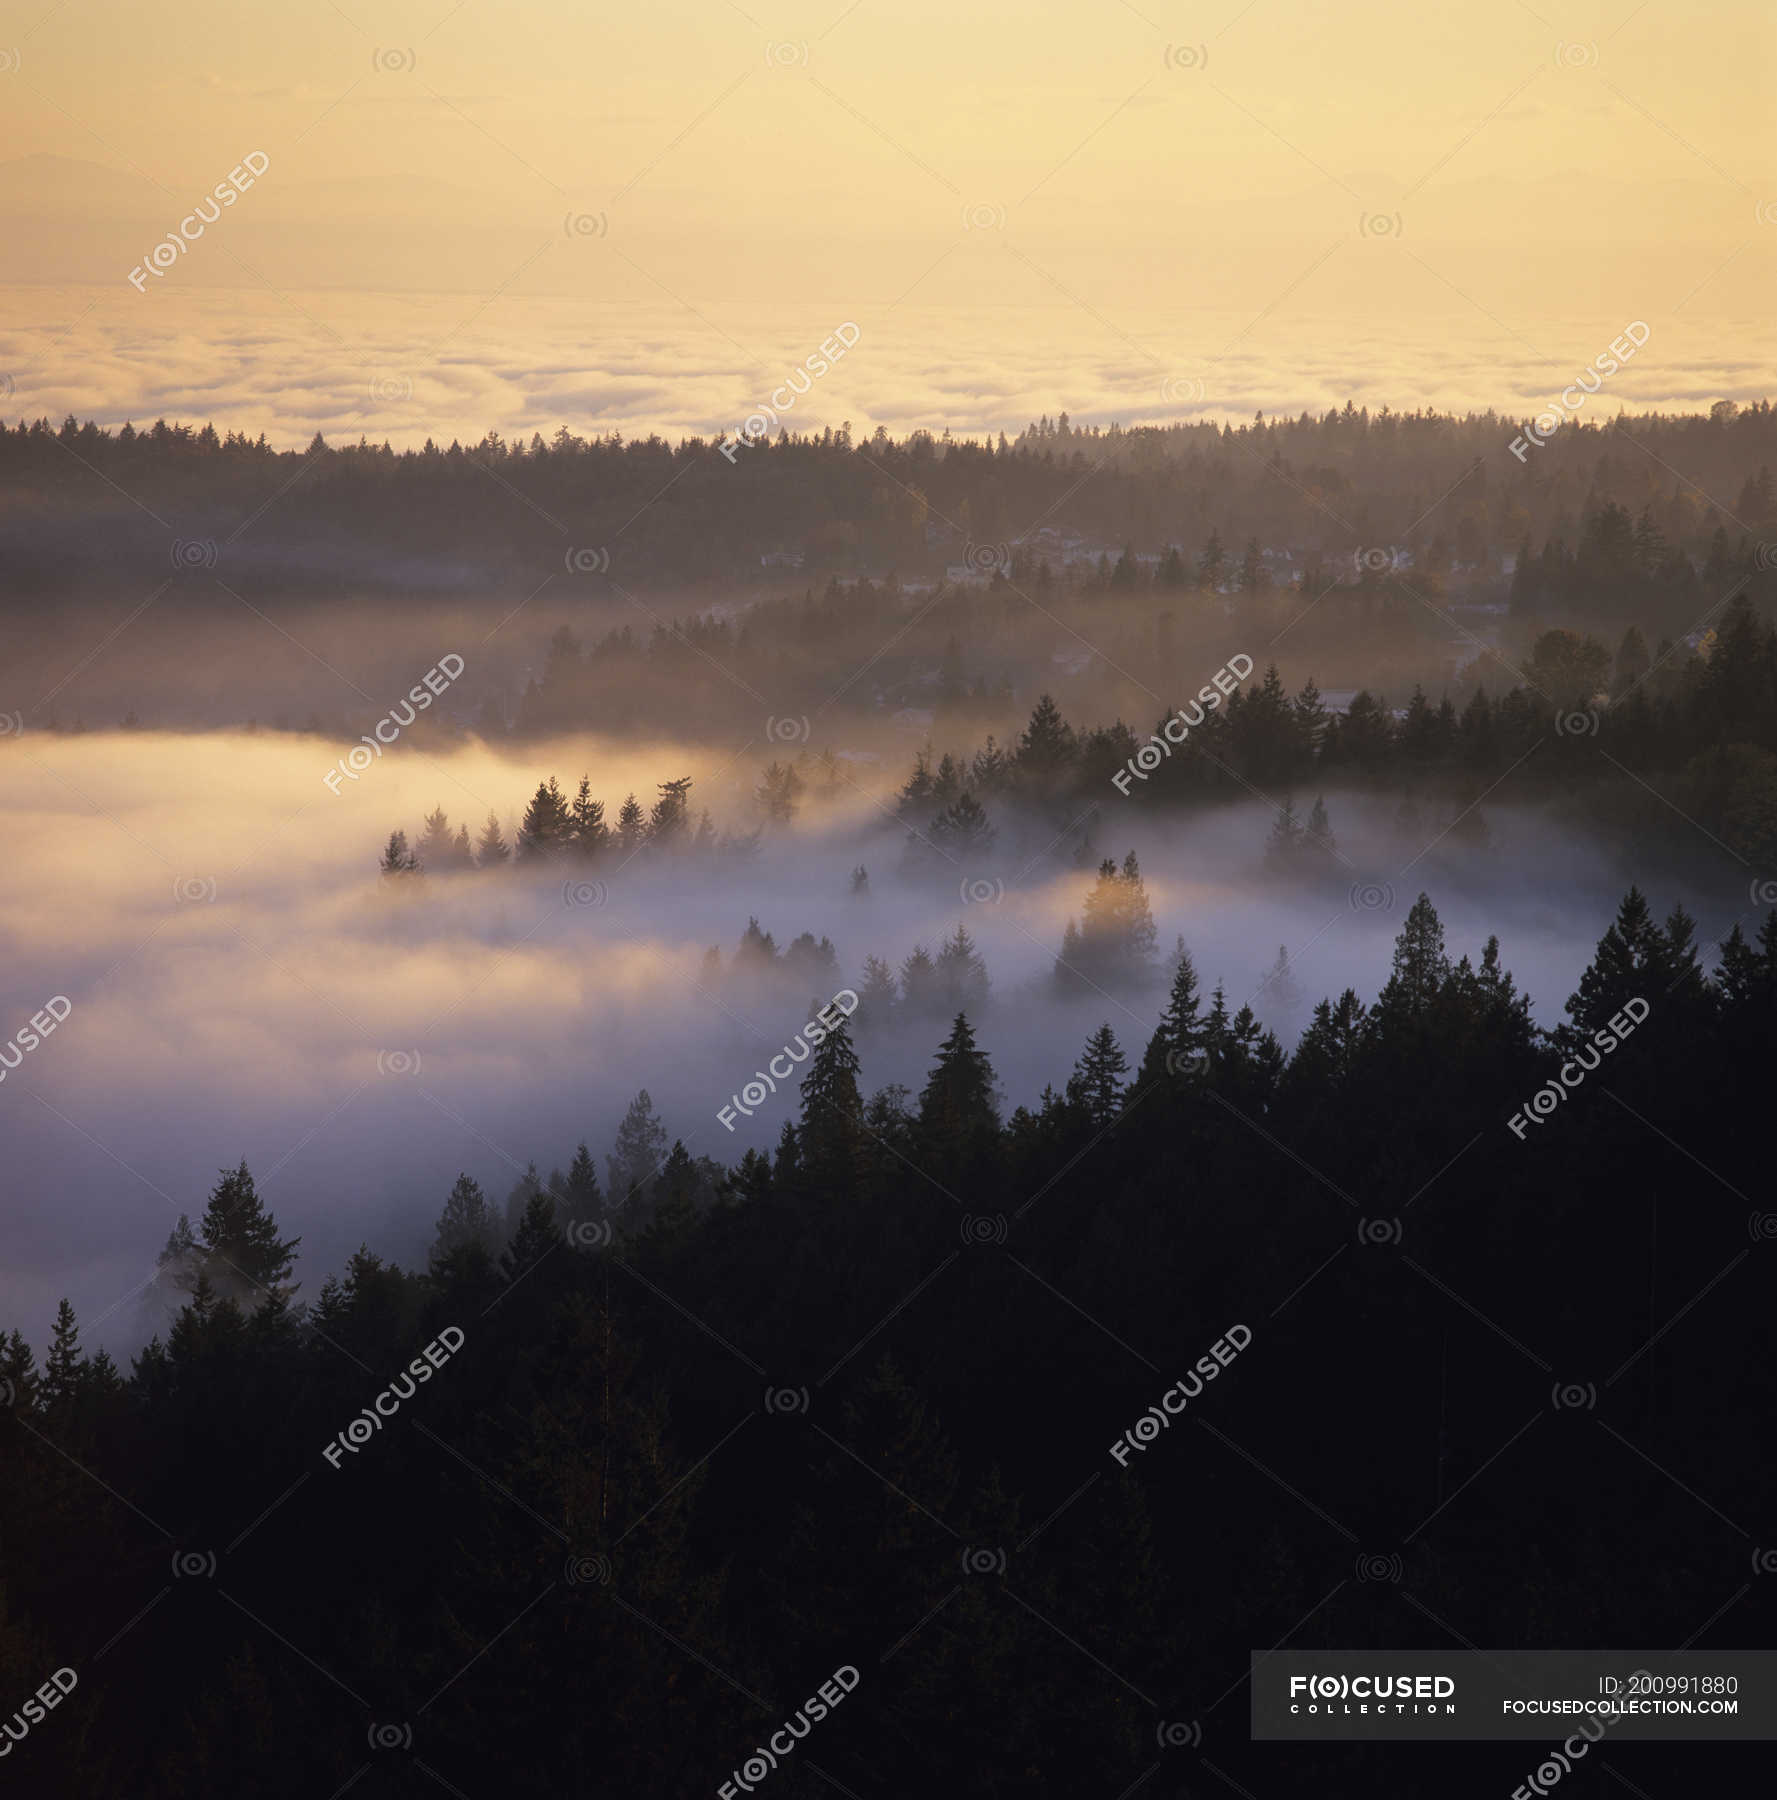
547 826
240 1241
1096 1084
491 851
832 1139
398 861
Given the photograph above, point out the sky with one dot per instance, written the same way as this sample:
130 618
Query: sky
540 213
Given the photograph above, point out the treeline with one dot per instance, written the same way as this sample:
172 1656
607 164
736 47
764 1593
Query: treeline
712 1432
1441 486
1707 714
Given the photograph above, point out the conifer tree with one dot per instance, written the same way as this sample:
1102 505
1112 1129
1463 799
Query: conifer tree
547 825
467 1220
242 1249
587 831
61 1367
1096 1084
831 1136
491 850
398 861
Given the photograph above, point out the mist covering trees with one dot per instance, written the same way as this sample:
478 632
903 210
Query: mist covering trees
1163 1190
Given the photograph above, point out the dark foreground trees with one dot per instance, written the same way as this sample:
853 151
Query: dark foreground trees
708 1435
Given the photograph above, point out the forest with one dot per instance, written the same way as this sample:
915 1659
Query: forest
699 1434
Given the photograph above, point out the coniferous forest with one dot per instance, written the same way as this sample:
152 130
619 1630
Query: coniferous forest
700 1434
888 902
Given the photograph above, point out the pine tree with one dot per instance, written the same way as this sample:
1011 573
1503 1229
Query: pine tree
958 1120
1097 1080
632 827
832 1138
1420 968
639 1151
670 820
587 831
581 1198
1177 1044
1283 848
962 829
961 975
1280 984
547 824
1319 833
466 1221
61 1367
1047 744
242 1250
537 1235
437 850
491 851
398 860
877 995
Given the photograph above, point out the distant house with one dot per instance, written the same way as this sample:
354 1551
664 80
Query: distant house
781 559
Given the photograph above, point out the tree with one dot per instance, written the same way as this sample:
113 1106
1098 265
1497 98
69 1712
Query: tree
491 851
587 831
1319 833
638 1152
920 993
670 819
1283 848
962 829
580 1195
1113 945
398 860
1210 563
1280 984
1420 967
61 1367
958 1120
832 1139
1177 1043
1047 744
547 826
632 827
439 847
1097 1080
779 793
466 1221
537 1235
961 975
242 1249
877 994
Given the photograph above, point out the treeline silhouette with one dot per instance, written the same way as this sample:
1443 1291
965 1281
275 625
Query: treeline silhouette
1441 486
713 1432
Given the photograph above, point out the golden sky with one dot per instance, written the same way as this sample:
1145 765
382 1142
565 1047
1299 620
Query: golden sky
1513 179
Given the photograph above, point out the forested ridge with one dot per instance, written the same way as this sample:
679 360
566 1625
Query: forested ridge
713 1432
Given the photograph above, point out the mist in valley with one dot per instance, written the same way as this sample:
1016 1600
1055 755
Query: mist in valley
245 984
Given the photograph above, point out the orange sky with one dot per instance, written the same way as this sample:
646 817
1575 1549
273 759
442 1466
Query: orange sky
1512 179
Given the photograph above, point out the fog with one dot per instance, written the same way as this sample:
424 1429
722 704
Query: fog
244 984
